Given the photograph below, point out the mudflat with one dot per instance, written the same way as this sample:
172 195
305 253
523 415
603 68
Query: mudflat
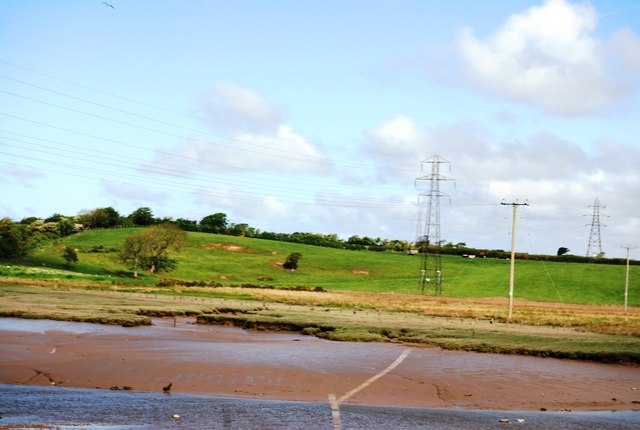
208 359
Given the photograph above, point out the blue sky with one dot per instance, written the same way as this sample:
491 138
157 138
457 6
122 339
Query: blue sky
317 115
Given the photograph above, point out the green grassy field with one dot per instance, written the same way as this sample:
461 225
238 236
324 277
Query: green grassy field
237 260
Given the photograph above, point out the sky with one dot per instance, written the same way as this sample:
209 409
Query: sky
326 116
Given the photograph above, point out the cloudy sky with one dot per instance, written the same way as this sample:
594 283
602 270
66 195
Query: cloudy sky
319 116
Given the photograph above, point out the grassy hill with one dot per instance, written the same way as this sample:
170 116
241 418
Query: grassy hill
239 260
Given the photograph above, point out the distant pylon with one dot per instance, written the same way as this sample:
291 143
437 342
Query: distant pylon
595 241
428 234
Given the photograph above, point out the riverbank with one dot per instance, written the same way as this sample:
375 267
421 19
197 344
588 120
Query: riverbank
540 329
229 361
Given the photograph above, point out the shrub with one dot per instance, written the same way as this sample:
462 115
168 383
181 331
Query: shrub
291 263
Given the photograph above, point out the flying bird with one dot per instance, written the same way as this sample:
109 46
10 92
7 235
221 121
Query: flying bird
108 5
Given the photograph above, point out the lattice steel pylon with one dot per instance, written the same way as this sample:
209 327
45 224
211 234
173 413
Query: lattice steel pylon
428 237
595 241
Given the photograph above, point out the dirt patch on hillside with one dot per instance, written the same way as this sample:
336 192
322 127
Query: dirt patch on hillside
360 272
219 246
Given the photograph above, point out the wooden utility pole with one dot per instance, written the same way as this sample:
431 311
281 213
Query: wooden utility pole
626 283
513 252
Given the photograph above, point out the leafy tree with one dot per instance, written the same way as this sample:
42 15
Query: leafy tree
65 227
28 220
239 230
187 224
100 218
149 248
216 223
363 241
70 255
47 228
142 217
164 220
291 262
562 250
398 245
54 218
317 239
133 251
15 239
160 239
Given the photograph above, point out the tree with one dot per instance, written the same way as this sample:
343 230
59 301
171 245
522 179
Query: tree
28 220
216 223
15 239
291 262
562 250
142 217
54 218
187 224
149 248
100 218
70 255
239 229
65 227
160 239
133 251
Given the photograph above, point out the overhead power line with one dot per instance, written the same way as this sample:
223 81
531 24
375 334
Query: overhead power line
291 154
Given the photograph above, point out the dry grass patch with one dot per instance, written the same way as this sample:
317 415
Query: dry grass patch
596 319
219 246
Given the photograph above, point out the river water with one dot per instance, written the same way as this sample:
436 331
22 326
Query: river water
30 406
76 408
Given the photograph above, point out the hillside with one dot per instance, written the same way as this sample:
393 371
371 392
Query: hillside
238 260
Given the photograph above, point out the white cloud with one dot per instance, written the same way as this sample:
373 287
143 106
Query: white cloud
255 139
626 45
547 56
397 145
133 192
285 150
233 106
399 135
22 175
274 207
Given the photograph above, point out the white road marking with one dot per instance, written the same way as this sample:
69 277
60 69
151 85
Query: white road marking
374 378
335 412
335 404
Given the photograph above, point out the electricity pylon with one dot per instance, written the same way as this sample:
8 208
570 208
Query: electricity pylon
594 236
428 239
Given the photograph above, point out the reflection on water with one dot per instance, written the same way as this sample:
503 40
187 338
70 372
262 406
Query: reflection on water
43 326
73 408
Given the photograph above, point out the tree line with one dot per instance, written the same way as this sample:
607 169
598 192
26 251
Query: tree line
18 238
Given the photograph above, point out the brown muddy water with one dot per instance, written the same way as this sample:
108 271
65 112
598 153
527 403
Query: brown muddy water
292 392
